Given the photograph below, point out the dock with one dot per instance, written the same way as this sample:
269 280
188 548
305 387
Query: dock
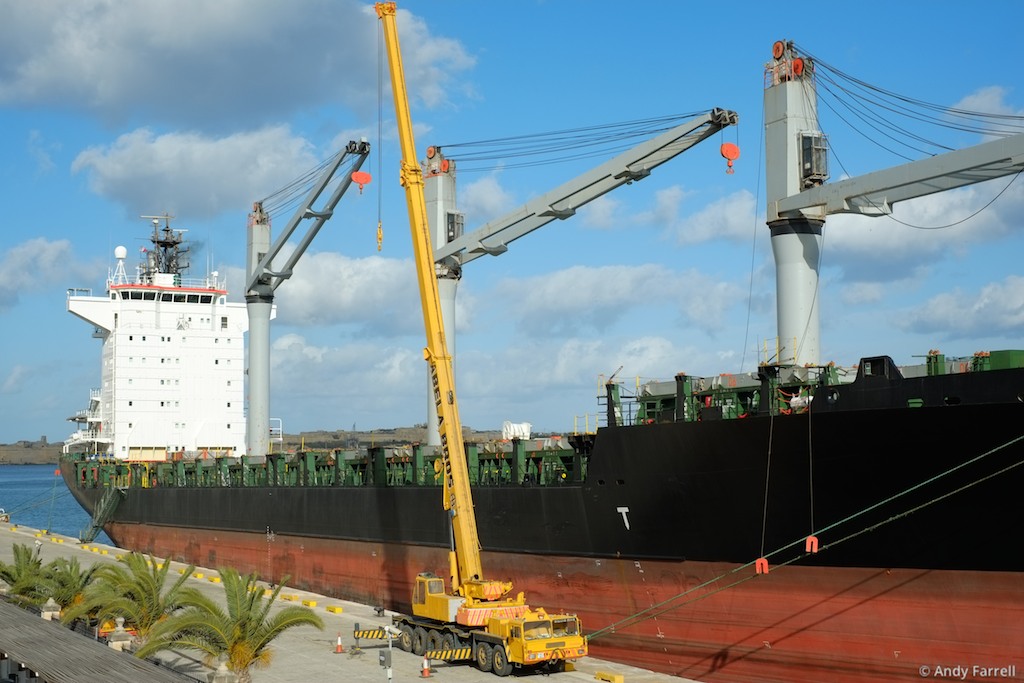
57 654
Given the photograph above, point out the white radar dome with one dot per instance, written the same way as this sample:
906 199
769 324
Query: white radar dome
120 252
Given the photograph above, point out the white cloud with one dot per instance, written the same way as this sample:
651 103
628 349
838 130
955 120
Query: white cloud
430 61
15 379
190 175
863 293
997 309
484 200
922 231
989 100
364 381
583 297
730 218
36 265
371 295
603 213
40 149
193 63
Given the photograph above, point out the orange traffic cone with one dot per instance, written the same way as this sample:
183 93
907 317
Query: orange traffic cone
338 649
425 672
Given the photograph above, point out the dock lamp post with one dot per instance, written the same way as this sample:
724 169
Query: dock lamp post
384 657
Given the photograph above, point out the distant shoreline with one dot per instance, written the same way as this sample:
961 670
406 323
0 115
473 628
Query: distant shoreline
38 453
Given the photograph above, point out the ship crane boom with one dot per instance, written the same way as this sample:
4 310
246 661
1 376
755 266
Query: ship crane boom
563 201
262 280
873 194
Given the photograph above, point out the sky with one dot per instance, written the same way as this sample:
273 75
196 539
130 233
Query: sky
110 110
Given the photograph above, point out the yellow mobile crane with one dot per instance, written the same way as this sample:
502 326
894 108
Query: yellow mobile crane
478 618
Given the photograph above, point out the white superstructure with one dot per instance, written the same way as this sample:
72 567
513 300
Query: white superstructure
172 380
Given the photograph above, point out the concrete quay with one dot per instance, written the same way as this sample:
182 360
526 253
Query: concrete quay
305 653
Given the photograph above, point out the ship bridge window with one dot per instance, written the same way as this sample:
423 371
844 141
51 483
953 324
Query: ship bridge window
223 322
193 298
136 295
149 296
113 295
206 298
166 296
179 298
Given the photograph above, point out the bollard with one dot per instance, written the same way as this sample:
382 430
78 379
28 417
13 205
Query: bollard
120 638
222 675
50 611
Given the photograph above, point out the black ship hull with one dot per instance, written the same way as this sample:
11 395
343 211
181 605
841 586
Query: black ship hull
896 513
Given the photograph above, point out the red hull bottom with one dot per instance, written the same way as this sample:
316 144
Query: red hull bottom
699 620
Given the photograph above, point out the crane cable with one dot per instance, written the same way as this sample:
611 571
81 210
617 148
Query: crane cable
560 146
865 102
668 605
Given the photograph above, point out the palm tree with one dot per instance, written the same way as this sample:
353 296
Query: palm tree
133 588
23 575
241 633
66 581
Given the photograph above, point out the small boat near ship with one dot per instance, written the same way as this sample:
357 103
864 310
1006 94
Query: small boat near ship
801 522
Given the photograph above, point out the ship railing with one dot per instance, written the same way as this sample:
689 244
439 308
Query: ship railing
84 435
87 415
79 291
586 423
179 282
94 394
277 432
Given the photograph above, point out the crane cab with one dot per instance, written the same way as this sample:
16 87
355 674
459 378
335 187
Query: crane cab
430 601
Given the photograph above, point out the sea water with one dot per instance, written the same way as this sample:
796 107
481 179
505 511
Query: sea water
36 496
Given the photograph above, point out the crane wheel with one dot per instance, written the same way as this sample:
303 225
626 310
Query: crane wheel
483 656
419 641
434 639
499 662
405 638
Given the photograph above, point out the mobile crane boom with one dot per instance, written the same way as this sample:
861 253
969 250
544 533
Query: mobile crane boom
467 579
477 616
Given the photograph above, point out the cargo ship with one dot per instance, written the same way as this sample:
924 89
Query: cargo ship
802 522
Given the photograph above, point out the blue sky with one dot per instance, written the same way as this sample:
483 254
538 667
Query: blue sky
112 110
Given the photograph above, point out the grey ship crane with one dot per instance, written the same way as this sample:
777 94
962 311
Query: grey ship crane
453 249
563 201
262 279
799 200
